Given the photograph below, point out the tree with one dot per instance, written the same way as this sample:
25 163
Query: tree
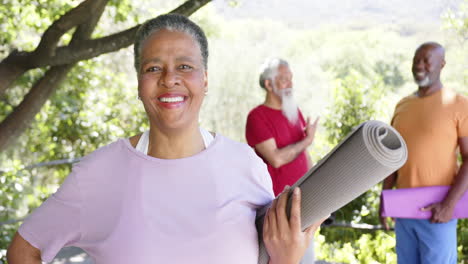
58 60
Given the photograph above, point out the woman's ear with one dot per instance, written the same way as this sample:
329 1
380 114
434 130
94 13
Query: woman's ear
205 80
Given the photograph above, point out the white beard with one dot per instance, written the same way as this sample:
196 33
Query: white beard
424 82
288 105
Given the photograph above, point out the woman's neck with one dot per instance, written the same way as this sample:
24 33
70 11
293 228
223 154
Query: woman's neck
175 143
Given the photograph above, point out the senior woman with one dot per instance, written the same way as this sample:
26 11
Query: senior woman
175 194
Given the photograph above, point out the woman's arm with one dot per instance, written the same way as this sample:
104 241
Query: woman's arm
284 239
21 252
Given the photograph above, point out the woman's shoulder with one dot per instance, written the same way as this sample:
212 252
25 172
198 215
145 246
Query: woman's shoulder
235 147
105 153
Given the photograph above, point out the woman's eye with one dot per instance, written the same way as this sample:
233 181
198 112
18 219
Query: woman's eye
153 69
185 67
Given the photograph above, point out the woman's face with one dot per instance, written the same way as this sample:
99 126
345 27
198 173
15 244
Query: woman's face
172 80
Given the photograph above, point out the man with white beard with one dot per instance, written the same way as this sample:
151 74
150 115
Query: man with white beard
433 122
278 132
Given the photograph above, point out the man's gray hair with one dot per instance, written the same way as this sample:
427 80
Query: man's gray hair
269 70
171 22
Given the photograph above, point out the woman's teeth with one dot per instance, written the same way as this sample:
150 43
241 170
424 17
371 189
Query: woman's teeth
171 99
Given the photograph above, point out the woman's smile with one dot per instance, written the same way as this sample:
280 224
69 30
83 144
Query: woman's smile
172 100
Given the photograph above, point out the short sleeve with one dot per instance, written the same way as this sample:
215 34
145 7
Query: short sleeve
263 193
56 223
257 129
396 111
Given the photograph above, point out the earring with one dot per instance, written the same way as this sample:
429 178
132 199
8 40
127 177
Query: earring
206 93
138 97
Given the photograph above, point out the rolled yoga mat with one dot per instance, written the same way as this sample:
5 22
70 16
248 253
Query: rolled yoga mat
370 153
407 203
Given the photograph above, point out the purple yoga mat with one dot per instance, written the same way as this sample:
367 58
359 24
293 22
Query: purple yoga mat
407 203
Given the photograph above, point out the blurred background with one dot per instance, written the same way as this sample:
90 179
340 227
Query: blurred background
351 62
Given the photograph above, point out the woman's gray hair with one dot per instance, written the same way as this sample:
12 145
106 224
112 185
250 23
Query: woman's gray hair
171 22
269 69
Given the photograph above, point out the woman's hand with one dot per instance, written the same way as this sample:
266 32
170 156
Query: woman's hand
284 239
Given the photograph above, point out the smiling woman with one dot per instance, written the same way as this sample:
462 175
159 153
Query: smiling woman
172 80
176 193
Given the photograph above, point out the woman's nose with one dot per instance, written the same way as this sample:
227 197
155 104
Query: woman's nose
170 78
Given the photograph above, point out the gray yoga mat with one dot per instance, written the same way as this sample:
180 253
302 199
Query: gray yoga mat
370 153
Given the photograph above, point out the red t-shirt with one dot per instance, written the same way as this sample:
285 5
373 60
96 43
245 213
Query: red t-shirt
264 123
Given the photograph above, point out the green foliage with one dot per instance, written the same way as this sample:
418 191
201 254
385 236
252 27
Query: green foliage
462 237
368 248
6 234
457 20
13 184
390 72
121 10
36 16
355 101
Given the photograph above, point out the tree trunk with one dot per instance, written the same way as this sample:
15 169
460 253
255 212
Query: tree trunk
22 116
9 72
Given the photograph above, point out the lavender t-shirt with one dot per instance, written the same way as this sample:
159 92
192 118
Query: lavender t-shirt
122 206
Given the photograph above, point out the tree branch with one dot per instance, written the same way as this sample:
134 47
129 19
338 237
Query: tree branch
93 48
45 87
85 30
83 50
190 7
17 63
10 71
76 16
